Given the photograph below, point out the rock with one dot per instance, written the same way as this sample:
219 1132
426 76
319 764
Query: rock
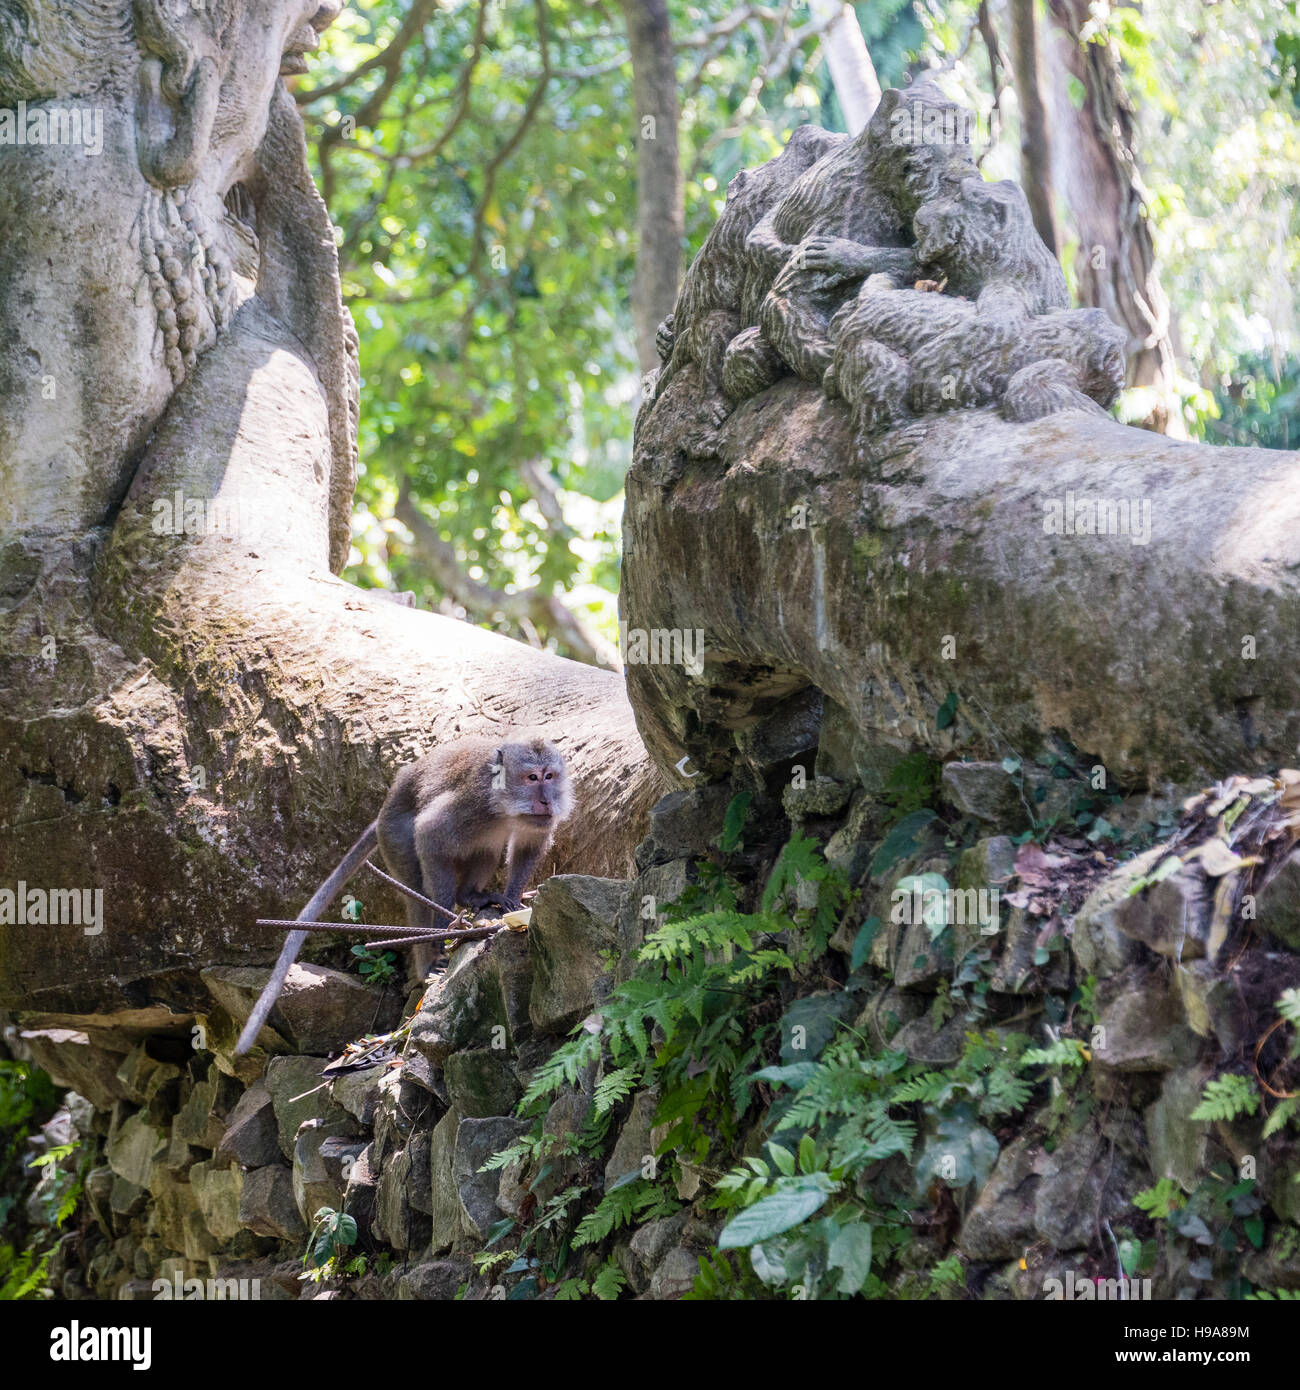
566 1116
444 1200
850 848
1277 905
886 1012
654 890
319 1010
358 1093
1178 1144
80 1060
461 1009
297 1094
438 1280
143 1077
633 1146
393 1211
923 960
476 1142
322 1157
683 823
362 1193
987 792
571 938
675 1274
923 1044
1033 1195
234 990
197 1122
131 1148
126 1200
217 1189
251 1136
267 1206
1016 972
648 1246
821 797
1140 1024
480 1082
1171 917
1098 944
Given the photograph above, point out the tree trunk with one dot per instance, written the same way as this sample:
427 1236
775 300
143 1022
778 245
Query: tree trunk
660 215
197 717
854 74
1035 135
1115 265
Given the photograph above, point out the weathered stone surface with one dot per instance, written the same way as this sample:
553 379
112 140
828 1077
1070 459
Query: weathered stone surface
132 1147
1033 1195
1178 1144
267 1206
682 822
1098 942
143 1076
361 1196
885 1013
252 1136
319 1010
1141 1022
633 1146
297 1094
462 1007
481 1082
572 934
74 1057
1016 972
444 1198
924 1043
437 1280
675 1274
1277 906
322 1158
197 1121
217 1189
648 1247
358 1093
989 793
476 1142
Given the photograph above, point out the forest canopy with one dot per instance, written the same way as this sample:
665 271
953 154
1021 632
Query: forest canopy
480 164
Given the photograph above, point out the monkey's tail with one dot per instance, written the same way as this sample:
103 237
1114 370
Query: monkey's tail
321 899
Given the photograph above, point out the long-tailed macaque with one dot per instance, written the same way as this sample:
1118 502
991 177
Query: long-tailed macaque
447 822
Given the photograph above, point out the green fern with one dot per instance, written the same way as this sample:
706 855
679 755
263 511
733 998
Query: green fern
1226 1097
1283 1111
608 1283
623 1203
615 1087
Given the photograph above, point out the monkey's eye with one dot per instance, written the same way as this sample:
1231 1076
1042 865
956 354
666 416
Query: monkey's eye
549 775
532 777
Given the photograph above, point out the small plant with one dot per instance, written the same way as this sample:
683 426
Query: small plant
333 1233
375 967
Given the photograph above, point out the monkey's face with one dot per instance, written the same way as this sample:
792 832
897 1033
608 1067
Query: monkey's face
536 783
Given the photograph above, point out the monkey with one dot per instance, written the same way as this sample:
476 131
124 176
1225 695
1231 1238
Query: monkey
446 823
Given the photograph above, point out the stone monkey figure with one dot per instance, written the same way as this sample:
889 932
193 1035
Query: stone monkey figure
447 821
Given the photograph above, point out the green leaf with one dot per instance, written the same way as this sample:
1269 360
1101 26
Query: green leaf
1011 766
850 1253
779 1212
796 1074
863 942
783 1159
733 822
947 711
900 842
